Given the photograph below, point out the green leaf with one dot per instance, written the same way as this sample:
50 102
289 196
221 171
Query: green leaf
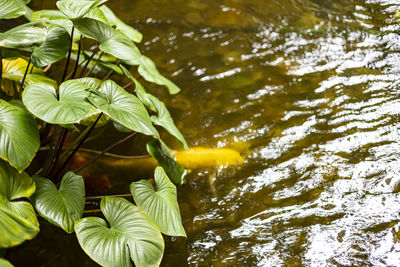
5 263
18 220
11 9
161 205
77 9
128 233
48 15
54 17
94 29
23 36
149 72
97 14
163 117
54 48
61 207
19 136
90 82
69 106
113 20
122 107
91 117
111 41
13 73
14 229
163 156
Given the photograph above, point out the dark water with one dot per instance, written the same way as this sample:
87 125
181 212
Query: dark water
307 90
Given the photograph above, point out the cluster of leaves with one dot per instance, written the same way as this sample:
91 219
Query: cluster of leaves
36 111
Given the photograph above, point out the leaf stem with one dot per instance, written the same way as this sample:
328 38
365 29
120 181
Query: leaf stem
93 151
111 71
104 151
23 79
77 58
77 147
92 211
100 197
127 85
88 61
58 149
69 56
50 156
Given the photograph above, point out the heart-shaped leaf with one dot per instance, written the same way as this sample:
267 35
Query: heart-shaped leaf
149 72
69 106
128 233
161 205
18 220
163 117
123 107
111 41
54 48
166 160
13 74
61 207
26 35
19 136
114 21
11 9
77 9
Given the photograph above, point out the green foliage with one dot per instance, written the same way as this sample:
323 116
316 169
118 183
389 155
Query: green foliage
160 204
127 233
163 117
18 221
68 105
54 47
37 111
10 9
5 263
63 206
13 74
122 107
166 160
19 136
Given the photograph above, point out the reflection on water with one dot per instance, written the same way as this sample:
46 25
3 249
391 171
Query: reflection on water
307 91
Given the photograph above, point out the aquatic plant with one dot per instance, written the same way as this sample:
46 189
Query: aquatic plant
37 112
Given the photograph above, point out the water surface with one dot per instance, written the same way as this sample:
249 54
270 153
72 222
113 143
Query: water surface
307 90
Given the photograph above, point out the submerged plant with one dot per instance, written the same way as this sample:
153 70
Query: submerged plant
38 112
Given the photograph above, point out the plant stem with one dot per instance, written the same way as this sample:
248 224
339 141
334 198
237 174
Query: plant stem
104 151
77 147
127 85
23 79
50 156
58 149
88 150
111 71
76 142
92 211
88 61
77 58
100 197
69 55
94 65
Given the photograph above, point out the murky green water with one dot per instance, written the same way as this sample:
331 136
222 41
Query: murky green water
307 91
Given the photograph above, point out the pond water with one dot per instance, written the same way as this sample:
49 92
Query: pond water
307 91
